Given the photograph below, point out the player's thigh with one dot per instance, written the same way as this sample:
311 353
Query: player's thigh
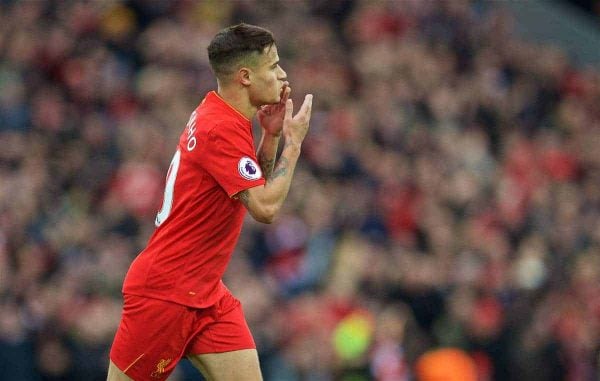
115 374
151 337
241 365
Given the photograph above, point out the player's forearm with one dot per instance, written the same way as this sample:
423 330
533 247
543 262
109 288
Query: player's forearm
281 177
264 203
278 184
267 153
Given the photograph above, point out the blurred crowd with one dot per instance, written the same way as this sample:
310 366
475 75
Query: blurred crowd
447 202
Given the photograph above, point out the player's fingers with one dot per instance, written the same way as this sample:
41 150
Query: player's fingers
289 108
282 91
286 94
306 108
266 110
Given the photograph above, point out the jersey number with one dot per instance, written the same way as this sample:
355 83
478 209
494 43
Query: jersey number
167 204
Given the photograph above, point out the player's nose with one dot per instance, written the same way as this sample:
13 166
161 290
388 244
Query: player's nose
282 75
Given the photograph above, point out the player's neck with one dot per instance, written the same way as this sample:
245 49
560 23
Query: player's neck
238 100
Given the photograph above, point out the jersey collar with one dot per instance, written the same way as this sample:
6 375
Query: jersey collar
213 94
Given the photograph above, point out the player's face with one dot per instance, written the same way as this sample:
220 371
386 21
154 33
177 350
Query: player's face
268 78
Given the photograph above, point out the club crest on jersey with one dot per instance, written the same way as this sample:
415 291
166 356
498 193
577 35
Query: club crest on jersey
249 169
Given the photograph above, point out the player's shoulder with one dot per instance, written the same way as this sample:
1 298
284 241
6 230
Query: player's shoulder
215 121
215 110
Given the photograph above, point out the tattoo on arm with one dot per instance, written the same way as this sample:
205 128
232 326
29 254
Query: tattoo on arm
244 197
267 165
281 169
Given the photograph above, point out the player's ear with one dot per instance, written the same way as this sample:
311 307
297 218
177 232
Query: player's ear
243 76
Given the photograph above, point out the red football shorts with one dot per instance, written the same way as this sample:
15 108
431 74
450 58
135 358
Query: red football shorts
155 334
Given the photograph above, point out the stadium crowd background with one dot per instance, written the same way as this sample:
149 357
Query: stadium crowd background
448 194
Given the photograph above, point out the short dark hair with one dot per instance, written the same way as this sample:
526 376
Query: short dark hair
235 43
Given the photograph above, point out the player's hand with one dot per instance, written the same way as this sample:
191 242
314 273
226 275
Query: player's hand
271 117
295 127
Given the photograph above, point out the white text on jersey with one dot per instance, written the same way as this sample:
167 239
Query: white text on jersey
191 129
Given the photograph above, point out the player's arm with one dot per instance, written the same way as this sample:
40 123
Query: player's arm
267 152
271 118
264 202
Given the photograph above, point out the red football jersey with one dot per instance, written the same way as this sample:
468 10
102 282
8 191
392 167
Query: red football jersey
199 223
